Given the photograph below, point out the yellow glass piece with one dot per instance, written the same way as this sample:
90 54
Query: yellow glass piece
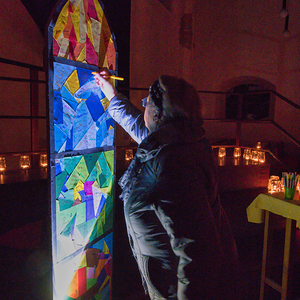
61 21
79 187
105 249
89 31
73 82
105 103
83 261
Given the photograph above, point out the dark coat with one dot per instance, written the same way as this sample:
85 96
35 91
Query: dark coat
177 228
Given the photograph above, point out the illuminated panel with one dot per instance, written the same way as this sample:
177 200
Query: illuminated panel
82 152
80 117
83 241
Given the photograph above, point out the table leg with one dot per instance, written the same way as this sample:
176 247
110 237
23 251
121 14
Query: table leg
286 258
264 257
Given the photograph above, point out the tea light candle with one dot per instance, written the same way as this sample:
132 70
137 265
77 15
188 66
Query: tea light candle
237 152
43 160
2 164
254 155
247 154
261 156
274 185
24 162
128 154
222 152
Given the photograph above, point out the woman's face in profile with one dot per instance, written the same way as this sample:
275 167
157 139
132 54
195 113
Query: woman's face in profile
150 115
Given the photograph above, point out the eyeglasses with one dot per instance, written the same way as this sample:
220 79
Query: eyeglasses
144 102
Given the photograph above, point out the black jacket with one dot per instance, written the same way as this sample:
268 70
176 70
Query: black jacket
177 228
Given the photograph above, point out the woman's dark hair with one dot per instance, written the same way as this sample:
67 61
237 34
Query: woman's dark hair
180 100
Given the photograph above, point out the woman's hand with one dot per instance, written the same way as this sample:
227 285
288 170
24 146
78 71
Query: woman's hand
106 86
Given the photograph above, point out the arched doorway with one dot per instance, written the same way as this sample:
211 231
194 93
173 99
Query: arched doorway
254 96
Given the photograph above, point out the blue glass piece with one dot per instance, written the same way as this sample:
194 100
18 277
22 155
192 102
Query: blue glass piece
58 108
57 169
59 137
82 122
109 122
95 107
68 97
69 145
61 74
84 75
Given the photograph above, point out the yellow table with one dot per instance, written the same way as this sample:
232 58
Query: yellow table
290 209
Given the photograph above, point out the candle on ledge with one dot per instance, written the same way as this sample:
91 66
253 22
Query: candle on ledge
237 152
222 152
2 164
247 154
24 161
128 154
254 155
43 160
261 156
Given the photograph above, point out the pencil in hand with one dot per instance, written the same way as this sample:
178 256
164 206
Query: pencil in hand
111 76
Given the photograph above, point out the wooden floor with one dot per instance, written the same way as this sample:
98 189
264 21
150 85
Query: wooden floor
25 254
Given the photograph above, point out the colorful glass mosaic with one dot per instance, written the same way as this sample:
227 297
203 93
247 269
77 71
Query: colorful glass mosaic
82 152
83 245
80 117
82 34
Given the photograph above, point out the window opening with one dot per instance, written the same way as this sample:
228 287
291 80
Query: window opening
255 105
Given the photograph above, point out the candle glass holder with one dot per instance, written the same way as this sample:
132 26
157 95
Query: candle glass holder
24 161
128 154
254 155
222 152
2 164
261 156
247 154
274 185
237 152
43 160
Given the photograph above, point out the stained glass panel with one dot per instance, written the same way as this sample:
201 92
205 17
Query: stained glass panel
82 152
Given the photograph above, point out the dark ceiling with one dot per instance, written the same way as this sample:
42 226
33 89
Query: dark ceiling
117 12
40 11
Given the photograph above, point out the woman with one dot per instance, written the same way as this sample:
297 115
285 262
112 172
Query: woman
177 228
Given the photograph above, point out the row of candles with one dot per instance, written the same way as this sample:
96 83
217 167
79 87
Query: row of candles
255 155
24 162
